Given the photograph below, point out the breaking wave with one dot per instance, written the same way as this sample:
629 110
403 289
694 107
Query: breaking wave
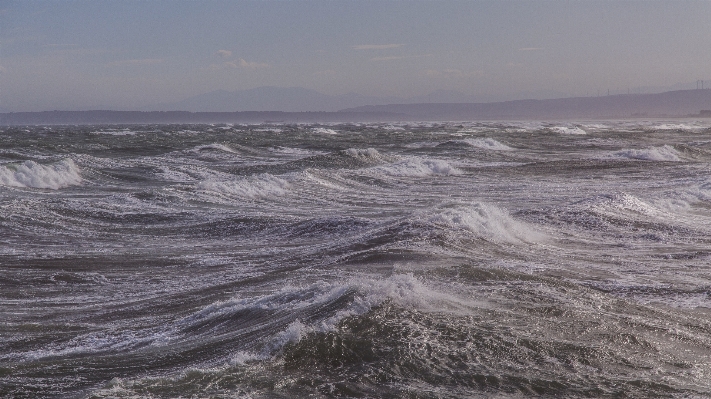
214 147
487 144
364 154
663 153
62 174
323 130
684 127
488 222
316 308
622 202
417 168
253 187
568 130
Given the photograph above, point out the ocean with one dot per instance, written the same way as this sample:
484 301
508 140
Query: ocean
413 260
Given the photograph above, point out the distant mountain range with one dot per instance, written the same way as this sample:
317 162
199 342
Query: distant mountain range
299 99
672 104
669 104
295 99
289 99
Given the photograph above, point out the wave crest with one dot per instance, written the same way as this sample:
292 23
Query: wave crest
62 174
663 153
568 130
487 143
418 168
253 187
488 222
323 130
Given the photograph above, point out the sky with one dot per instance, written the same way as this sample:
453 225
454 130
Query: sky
74 55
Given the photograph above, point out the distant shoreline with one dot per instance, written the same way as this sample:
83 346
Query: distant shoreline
669 105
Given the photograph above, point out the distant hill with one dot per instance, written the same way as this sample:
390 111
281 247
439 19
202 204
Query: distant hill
103 117
297 99
445 105
669 104
268 98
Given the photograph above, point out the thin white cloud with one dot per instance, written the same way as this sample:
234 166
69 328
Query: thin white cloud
530 49
251 65
376 46
143 61
399 57
223 53
237 64
450 73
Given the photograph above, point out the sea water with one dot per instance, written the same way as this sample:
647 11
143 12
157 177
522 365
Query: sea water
428 260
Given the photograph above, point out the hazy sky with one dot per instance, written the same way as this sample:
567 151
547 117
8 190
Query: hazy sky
126 54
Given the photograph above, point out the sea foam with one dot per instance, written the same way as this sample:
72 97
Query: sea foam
253 187
214 147
415 167
323 130
568 130
364 154
31 174
624 202
488 222
663 153
487 144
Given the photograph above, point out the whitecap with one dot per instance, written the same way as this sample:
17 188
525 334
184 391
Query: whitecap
629 202
364 293
124 132
366 154
415 167
214 147
568 130
676 126
663 153
62 174
488 222
293 151
486 144
322 130
253 187
269 129
627 205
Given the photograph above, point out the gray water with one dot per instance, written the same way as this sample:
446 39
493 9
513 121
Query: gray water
457 260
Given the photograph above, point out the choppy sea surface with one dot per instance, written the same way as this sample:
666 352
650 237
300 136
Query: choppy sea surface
430 260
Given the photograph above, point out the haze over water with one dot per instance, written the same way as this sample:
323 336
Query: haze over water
356 260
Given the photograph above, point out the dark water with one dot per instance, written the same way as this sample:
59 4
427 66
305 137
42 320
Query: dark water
423 261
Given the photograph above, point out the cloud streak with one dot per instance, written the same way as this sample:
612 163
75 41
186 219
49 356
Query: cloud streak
399 57
238 64
451 73
223 53
144 61
376 46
